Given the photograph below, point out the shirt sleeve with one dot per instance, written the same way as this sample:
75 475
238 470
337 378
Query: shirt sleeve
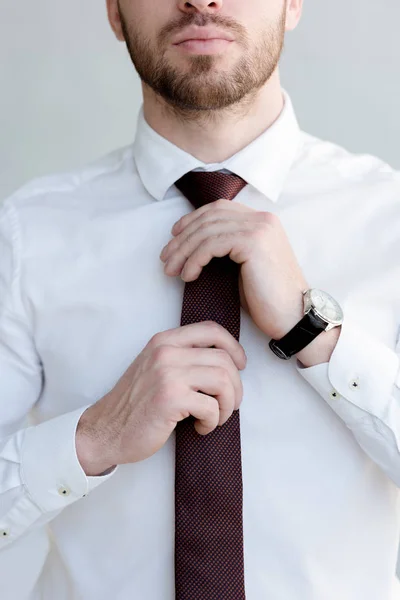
361 383
40 473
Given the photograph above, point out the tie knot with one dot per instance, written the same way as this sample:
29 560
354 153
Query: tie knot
202 187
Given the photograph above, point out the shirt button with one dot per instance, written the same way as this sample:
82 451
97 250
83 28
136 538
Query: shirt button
354 384
334 395
4 533
64 491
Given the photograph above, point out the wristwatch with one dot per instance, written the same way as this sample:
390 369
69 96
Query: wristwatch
321 313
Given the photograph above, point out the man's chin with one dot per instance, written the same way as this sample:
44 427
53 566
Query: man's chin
209 89
205 101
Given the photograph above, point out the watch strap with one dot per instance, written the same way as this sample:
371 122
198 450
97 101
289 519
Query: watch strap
302 334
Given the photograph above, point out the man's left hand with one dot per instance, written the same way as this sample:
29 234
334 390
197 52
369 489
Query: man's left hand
271 280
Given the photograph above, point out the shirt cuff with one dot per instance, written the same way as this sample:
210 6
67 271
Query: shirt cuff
361 370
50 468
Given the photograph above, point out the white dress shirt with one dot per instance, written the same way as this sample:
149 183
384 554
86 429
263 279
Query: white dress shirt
82 291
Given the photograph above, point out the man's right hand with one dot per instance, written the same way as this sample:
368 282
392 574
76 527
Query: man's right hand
159 389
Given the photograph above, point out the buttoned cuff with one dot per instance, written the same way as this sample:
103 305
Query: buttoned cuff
50 468
362 370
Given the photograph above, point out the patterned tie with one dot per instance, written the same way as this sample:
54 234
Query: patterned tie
208 482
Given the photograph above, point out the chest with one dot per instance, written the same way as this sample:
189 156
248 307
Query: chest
108 294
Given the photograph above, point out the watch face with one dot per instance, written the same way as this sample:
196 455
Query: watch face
326 306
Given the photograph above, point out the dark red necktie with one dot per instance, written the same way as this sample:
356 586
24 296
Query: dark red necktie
208 483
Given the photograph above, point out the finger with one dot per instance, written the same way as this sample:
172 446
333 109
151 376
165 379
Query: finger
205 409
214 247
217 382
203 335
209 357
180 253
242 215
239 213
222 204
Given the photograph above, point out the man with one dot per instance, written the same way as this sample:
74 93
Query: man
120 294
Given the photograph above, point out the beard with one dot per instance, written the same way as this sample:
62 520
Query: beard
203 87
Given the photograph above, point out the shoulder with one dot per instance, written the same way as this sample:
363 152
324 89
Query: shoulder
83 184
44 216
333 164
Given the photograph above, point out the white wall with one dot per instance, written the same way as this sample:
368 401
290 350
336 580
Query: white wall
68 92
342 67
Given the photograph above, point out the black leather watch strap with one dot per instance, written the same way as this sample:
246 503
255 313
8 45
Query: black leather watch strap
299 337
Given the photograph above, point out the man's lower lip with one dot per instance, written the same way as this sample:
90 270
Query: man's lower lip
204 46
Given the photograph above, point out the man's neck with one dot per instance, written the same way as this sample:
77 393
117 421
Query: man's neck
215 136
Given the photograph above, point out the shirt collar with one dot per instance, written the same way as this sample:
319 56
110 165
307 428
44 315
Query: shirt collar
264 163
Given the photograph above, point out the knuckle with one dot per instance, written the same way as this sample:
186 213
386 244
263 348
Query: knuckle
162 354
188 240
223 357
157 339
221 202
273 218
213 326
215 237
270 220
223 375
211 409
203 225
264 217
164 374
209 404
260 230
222 354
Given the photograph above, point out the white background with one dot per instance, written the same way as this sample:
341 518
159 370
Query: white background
68 92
